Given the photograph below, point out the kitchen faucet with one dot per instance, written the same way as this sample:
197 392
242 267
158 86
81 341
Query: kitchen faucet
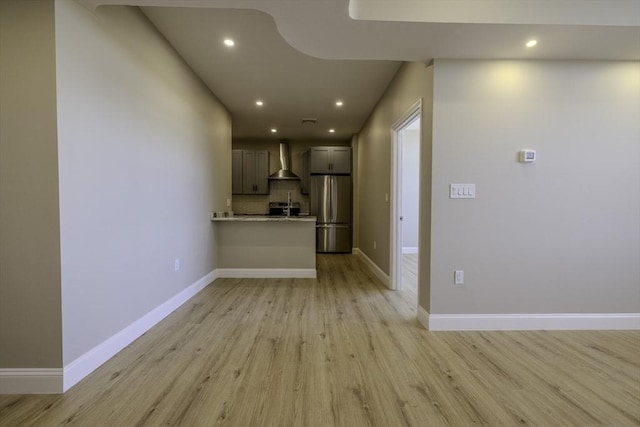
288 208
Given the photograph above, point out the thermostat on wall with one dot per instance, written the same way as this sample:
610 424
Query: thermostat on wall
527 156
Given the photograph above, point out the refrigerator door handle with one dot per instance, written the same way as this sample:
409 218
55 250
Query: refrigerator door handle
334 199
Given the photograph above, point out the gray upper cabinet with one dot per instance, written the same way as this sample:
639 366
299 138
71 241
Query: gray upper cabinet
330 160
250 172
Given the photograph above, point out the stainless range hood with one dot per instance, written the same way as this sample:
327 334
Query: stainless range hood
284 173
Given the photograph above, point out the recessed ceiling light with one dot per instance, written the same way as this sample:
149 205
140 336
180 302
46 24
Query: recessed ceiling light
332 130
532 43
339 103
229 42
259 103
274 130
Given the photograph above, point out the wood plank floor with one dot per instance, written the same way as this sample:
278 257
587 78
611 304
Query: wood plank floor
342 351
410 273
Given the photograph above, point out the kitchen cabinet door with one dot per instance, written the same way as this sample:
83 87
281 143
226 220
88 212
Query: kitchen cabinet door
236 172
262 172
320 160
331 160
340 158
255 172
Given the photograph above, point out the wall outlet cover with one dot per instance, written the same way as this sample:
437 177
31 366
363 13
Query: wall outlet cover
527 156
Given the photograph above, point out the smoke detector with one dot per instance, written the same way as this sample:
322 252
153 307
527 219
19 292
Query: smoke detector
309 121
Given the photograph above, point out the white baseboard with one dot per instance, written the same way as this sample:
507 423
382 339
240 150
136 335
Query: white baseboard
423 317
533 322
267 273
410 250
31 381
88 362
384 278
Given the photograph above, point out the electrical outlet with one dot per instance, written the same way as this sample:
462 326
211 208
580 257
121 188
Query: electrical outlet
228 203
374 244
176 265
458 277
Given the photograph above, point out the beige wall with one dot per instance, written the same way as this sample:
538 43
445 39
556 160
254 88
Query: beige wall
561 235
145 155
558 236
30 316
355 228
273 244
412 83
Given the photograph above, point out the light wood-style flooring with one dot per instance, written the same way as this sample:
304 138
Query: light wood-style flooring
343 350
410 273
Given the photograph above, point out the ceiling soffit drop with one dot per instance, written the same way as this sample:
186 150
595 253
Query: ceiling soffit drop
300 56
525 12
325 29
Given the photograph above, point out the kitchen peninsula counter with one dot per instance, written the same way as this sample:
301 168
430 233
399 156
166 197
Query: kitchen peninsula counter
266 218
266 246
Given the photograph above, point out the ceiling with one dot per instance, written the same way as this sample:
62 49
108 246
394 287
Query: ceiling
301 56
262 66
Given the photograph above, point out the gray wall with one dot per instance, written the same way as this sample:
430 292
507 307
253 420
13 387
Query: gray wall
145 155
412 82
561 235
30 315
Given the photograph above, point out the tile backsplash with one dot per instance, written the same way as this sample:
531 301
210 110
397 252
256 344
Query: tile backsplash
249 204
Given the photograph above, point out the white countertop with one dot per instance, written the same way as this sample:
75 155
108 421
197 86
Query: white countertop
266 218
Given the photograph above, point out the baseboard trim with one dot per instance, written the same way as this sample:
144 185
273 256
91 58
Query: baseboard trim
423 317
88 362
267 273
410 250
31 381
534 322
384 278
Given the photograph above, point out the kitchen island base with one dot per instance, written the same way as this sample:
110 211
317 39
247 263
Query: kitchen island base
274 248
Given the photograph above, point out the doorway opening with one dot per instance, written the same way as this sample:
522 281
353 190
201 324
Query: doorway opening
405 206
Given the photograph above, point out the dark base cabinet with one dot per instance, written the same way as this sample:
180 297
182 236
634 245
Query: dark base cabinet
333 238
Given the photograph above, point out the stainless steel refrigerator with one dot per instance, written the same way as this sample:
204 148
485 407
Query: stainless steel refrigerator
330 202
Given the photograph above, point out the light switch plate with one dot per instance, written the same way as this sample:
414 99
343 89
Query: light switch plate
458 277
462 191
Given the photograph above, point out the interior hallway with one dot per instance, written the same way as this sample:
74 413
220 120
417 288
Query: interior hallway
342 350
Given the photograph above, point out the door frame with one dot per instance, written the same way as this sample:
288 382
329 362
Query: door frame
395 253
